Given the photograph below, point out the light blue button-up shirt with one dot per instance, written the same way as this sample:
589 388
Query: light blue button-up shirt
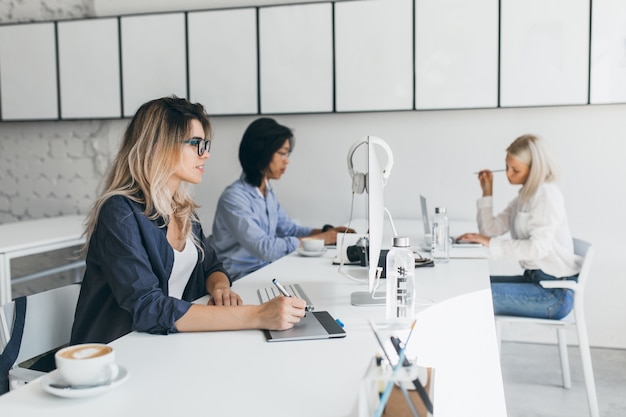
251 230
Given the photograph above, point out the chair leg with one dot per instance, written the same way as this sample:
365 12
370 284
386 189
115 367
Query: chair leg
585 354
562 336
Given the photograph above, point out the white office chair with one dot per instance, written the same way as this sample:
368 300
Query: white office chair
575 318
47 326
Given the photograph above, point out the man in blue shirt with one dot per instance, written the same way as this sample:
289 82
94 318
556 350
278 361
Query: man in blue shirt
250 228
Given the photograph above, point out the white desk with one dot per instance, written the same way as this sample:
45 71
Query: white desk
239 374
35 236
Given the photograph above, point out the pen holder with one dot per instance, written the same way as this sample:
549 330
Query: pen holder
375 382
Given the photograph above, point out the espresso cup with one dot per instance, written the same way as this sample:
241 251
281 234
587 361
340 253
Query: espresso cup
311 244
87 364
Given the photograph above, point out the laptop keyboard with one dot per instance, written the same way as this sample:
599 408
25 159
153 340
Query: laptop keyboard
266 294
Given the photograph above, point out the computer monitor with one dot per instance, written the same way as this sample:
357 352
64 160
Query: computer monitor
375 213
375 181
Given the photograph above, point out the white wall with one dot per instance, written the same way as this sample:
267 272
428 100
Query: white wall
435 154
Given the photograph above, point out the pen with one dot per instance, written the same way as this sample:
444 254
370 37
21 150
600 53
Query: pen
492 170
282 289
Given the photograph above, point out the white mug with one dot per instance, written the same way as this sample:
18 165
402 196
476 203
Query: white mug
311 244
87 364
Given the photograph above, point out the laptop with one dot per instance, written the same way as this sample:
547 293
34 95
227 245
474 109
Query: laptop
314 325
428 231
425 222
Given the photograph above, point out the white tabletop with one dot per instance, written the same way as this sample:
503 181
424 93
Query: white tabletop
238 373
30 237
26 234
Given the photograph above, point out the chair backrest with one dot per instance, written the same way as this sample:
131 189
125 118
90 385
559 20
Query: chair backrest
584 249
48 323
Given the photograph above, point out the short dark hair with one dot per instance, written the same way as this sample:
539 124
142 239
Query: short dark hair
260 141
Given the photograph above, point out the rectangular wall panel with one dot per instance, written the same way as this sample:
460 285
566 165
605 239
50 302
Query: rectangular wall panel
296 58
28 72
544 52
608 52
154 58
89 75
456 54
223 61
374 55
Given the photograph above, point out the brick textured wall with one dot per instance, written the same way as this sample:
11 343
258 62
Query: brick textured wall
36 10
50 168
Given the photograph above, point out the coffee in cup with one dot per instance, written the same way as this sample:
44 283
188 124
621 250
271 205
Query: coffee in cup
311 244
87 364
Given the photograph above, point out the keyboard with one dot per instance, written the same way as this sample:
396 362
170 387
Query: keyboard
266 294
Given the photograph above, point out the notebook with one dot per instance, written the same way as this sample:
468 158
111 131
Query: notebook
315 325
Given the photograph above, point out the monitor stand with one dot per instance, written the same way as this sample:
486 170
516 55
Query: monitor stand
364 298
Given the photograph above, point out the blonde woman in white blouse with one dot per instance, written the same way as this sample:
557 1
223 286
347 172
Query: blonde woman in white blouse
540 238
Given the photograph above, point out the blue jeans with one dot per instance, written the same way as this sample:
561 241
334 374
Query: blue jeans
522 295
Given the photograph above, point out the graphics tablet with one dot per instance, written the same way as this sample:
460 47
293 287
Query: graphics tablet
315 325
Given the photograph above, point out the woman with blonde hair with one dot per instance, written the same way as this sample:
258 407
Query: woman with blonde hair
147 257
540 238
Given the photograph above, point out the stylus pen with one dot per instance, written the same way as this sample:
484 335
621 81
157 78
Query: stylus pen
401 354
492 170
416 382
282 289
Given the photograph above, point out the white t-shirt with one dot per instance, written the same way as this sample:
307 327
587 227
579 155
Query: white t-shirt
184 263
540 235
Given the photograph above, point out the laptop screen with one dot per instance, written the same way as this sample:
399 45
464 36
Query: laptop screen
425 220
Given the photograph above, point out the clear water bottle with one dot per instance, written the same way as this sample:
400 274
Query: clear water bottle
400 281
440 252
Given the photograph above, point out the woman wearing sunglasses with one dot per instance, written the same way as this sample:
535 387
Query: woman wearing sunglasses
147 257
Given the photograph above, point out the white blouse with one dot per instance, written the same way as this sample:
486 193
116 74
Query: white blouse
184 263
540 235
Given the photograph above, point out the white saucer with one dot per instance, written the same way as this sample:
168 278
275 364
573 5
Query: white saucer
303 252
55 378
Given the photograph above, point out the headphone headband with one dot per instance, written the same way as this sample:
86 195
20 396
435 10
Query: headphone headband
377 141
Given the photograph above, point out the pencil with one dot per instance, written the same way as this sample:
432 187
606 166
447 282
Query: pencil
492 170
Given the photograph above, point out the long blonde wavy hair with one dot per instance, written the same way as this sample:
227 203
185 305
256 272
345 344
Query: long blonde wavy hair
533 151
150 152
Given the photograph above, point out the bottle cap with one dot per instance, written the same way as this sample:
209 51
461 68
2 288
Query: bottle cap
440 210
401 241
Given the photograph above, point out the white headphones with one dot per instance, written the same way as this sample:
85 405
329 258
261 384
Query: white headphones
360 180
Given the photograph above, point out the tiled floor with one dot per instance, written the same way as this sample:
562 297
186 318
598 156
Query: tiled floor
531 372
532 381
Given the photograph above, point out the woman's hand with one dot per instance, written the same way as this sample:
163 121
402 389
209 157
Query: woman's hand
224 297
474 237
281 313
218 285
486 182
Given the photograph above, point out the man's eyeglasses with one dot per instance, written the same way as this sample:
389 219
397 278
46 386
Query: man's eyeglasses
284 155
204 145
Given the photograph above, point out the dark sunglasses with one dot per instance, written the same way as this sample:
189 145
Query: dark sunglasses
204 145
